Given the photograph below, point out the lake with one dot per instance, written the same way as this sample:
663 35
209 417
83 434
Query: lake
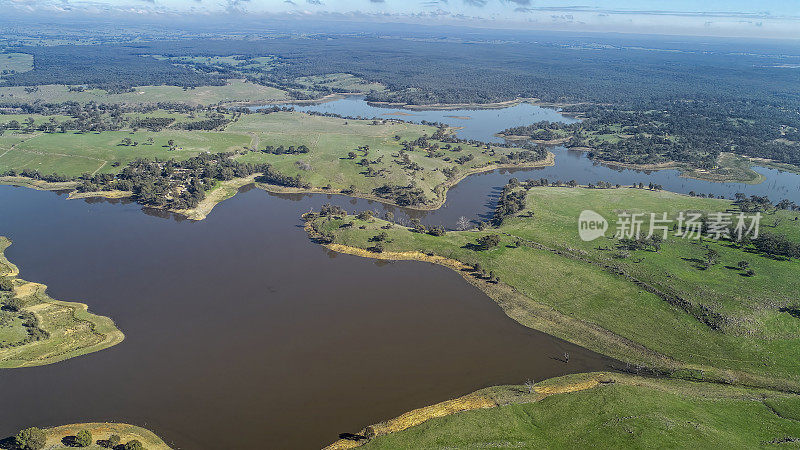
240 332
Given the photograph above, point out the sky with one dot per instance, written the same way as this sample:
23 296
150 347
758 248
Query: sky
754 18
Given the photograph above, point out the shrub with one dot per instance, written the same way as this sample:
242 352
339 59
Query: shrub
13 304
133 445
84 438
488 241
113 441
6 284
31 438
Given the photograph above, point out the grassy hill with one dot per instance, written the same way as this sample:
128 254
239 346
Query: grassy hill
610 411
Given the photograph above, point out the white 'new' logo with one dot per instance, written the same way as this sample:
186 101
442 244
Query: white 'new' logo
591 225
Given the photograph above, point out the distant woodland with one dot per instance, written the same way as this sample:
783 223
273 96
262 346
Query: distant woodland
677 105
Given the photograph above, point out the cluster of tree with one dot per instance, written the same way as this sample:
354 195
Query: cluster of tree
511 201
94 117
694 132
153 123
281 150
409 195
328 210
641 243
36 175
757 203
10 309
172 184
212 123
435 230
487 242
479 271
531 153
272 176
776 246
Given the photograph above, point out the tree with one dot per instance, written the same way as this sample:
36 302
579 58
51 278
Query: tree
133 445
462 224
31 438
712 257
113 441
84 438
351 155
743 264
14 304
6 284
488 241
530 385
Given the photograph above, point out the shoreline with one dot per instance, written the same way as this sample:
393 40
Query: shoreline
684 170
490 397
315 101
101 327
479 106
441 200
516 394
536 316
228 189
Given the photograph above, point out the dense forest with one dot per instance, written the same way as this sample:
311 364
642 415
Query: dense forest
432 72
694 132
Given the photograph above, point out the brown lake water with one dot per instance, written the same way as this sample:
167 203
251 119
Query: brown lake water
242 333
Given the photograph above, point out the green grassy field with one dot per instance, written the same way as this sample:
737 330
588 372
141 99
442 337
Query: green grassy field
331 139
341 81
621 412
75 153
756 343
344 156
233 92
15 63
71 330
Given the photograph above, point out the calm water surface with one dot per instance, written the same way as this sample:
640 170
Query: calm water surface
240 332
481 124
